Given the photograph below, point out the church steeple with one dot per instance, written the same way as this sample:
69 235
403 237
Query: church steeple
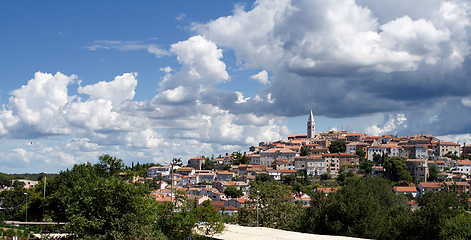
311 126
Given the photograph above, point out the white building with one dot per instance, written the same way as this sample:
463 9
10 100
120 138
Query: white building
158 170
254 159
391 150
315 166
463 167
442 148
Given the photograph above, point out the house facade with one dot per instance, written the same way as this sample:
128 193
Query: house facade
271 155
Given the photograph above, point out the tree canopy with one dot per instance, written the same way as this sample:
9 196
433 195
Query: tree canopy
233 192
433 173
303 151
100 204
396 169
337 146
363 207
275 209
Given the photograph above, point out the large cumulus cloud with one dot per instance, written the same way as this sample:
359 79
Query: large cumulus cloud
357 59
104 118
396 67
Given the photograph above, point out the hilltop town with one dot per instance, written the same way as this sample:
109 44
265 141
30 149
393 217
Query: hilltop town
333 183
430 165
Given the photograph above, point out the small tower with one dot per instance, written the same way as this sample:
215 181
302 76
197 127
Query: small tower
311 126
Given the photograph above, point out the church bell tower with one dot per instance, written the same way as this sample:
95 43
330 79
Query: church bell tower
311 126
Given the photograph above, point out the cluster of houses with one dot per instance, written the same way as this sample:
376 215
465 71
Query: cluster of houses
309 153
27 184
414 191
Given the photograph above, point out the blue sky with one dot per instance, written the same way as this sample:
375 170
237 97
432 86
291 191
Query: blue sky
151 80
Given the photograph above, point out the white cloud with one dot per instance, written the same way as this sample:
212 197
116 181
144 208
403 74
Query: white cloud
466 101
80 144
95 115
7 120
339 57
176 95
117 91
241 98
147 139
457 138
261 77
340 37
110 121
201 59
180 17
420 37
389 127
166 69
349 58
39 102
128 46
22 154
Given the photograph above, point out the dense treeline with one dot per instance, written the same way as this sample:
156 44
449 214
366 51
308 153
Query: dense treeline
362 207
7 179
99 203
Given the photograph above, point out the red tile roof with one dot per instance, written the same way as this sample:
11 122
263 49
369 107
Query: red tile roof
230 208
448 144
353 134
405 189
464 162
431 184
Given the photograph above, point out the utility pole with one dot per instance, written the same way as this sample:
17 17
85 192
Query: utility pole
26 206
258 199
44 195
171 182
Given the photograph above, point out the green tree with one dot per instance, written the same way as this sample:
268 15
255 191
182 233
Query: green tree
238 158
405 177
263 177
109 165
361 154
326 176
208 164
100 205
180 222
95 203
377 158
363 207
288 179
457 227
4 179
233 192
18 184
366 166
244 159
451 155
396 169
303 151
275 208
436 208
138 169
433 173
14 203
337 146
344 176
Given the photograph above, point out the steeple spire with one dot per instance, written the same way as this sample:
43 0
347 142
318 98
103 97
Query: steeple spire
311 126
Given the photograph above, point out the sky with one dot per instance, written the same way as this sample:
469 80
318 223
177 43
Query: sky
148 81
